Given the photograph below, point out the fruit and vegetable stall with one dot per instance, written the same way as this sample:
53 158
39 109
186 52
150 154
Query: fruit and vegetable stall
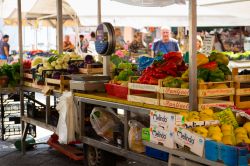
141 111
160 92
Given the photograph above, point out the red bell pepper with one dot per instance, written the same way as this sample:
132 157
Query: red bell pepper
210 65
153 81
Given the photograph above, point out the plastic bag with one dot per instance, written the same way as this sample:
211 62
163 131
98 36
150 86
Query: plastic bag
135 136
103 121
68 124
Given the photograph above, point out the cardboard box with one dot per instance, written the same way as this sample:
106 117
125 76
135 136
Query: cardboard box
161 137
162 125
184 137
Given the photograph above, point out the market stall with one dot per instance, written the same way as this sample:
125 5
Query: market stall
182 114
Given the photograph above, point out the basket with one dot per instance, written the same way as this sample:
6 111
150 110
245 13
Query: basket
4 81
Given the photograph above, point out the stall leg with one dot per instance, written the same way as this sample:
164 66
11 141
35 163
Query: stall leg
81 107
47 109
24 135
54 101
2 118
126 128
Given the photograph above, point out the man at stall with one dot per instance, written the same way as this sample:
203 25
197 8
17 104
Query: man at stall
4 48
166 44
83 44
67 45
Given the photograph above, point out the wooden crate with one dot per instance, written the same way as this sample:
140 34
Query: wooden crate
242 89
90 70
30 82
59 85
151 95
28 78
179 98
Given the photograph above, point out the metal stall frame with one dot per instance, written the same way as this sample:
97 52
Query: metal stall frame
82 100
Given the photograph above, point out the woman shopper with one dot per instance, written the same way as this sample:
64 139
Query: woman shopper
4 48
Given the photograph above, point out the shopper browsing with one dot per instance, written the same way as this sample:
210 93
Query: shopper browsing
4 48
199 45
166 44
136 43
83 44
67 45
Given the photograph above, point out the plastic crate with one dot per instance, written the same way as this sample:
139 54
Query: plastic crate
119 91
229 155
158 154
116 90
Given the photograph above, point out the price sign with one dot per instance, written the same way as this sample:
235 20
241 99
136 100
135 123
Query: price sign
208 44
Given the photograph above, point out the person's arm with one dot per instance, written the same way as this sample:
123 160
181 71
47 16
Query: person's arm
6 51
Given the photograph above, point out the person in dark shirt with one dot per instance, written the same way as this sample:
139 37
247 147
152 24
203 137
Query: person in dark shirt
166 44
4 48
136 43
83 44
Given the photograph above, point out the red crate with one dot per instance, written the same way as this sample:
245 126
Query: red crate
119 91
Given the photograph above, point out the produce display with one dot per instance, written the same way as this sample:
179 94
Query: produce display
238 56
210 69
227 132
10 75
172 64
123 70
56 65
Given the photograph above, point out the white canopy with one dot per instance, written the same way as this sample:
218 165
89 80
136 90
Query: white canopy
210 12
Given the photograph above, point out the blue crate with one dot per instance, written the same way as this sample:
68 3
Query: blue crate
229 155
158 154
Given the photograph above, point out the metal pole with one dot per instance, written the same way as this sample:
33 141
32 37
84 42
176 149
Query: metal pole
2 118
20 43
99 11
59 26
193 100
106 59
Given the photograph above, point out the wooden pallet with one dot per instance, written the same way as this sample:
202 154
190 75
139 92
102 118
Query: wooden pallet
242 89
179 98
58 85
151 95
90 70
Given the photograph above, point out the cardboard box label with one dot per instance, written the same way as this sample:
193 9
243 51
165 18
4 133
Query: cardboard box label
161 137
163 120
174 91
216 92
175 104
184 137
